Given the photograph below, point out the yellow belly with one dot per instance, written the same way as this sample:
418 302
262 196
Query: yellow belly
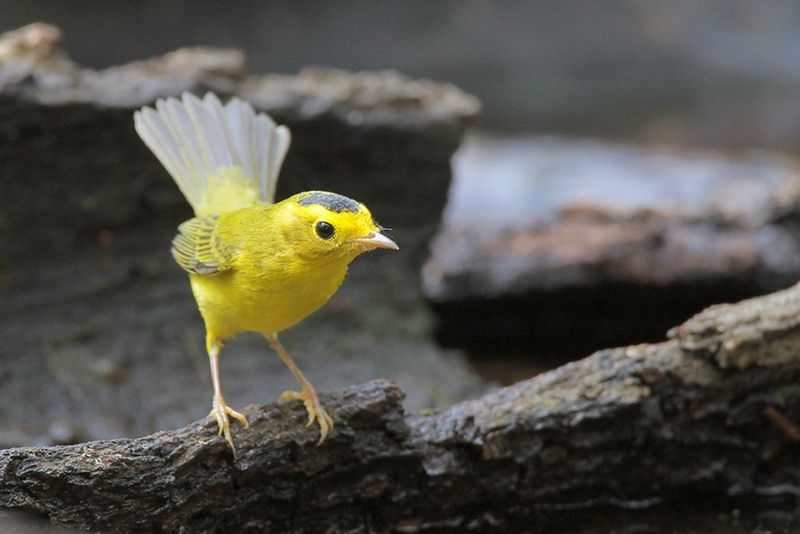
253 301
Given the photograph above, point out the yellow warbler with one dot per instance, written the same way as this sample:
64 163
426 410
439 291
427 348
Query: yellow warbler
254 265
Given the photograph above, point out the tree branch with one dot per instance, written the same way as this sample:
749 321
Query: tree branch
624 427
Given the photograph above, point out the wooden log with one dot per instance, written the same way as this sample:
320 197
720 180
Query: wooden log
710 412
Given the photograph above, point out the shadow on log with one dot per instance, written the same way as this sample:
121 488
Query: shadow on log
707 413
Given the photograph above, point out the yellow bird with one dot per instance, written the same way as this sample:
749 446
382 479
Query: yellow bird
254 265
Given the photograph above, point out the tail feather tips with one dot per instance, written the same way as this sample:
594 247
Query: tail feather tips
222 157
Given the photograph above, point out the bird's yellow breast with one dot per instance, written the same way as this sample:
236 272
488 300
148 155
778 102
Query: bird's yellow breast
273 281
251 299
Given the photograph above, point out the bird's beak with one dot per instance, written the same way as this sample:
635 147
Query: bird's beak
377 240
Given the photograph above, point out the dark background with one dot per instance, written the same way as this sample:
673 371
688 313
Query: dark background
709 73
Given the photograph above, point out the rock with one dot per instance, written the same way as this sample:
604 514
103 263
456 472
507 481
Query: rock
544 234
95 313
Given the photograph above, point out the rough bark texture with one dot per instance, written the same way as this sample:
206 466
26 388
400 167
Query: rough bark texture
708 413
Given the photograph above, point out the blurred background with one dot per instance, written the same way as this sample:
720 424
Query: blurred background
718 73
632 163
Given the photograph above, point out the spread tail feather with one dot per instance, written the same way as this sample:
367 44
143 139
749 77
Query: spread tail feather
222 157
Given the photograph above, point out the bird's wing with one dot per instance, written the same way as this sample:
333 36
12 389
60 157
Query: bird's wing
199 250
222 157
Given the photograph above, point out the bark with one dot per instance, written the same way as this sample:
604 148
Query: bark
707 413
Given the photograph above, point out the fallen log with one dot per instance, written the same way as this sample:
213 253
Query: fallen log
709 413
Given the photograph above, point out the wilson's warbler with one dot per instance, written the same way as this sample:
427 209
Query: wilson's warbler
253 265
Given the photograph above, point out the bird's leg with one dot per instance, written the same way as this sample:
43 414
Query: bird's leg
307 394
220 411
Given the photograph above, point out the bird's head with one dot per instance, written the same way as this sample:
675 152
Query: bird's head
328 225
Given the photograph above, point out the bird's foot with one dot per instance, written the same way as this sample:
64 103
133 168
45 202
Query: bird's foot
221 412
315 410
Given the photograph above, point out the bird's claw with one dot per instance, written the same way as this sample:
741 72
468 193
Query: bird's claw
221 413
315 410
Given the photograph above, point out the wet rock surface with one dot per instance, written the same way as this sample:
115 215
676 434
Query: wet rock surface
545 234
100 334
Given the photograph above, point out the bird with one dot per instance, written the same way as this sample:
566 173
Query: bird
254 265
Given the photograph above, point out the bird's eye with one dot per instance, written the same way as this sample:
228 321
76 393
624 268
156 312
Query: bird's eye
324 229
